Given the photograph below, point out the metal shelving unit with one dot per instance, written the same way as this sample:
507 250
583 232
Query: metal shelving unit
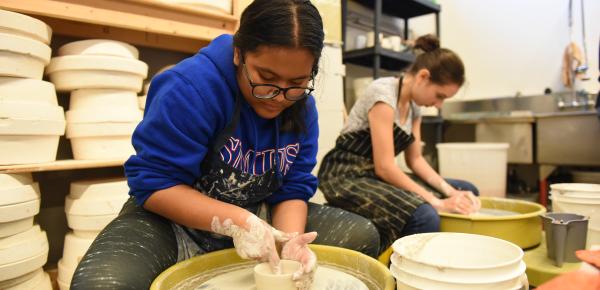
376 56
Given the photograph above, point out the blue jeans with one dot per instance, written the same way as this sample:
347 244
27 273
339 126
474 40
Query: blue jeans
425 218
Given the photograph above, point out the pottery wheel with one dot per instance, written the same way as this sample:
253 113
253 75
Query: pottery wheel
326 278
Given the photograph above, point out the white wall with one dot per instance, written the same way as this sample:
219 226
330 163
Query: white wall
511 46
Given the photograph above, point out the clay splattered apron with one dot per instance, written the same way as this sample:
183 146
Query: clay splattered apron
223 182
347 179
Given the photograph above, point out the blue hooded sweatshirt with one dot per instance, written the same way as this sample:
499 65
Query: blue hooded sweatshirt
187 107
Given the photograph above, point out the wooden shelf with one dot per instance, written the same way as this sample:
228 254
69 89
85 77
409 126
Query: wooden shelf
61 165
404 8
390 60
150 23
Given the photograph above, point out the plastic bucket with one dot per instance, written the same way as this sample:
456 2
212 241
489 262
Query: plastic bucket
424 261
524 228
483 164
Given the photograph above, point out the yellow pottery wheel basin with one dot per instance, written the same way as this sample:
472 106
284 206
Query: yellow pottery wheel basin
374 274
524 228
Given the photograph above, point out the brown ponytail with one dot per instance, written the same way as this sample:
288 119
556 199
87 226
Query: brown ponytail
444 65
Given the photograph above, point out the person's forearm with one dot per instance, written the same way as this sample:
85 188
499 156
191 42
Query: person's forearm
395 176
189 207
290 216
423 170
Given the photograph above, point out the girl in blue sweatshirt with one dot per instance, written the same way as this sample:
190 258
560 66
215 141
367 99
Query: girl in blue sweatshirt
224 158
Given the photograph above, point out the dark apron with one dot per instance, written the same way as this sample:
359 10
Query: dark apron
223 182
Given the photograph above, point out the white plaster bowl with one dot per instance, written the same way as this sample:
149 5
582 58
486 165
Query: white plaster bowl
456 258
22 90
116 115
73 72
15 227
102 100
110 205
9 180
99 47
22 57
23 245
19 194
74 249
35 280
22 267
23 25
29 133
19 211
65 274
98 188
88 225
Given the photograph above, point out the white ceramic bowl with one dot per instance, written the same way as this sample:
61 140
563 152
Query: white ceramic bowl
88 225
22 57
74 249
19 194
23 25
116 115
22 267
22 90
99 47
65 273
102 99
14 227
102 147
23 245
110 205
74 72
98 188
18 211
10 180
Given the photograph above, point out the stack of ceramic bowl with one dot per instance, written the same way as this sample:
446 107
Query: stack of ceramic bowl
31 122
457 261
23 245
582 199
104 77
90 206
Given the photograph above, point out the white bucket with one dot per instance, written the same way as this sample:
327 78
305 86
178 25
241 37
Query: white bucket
483 164
423 261
576 190
593 234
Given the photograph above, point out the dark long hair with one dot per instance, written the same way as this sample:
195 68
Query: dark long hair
284 23
444 65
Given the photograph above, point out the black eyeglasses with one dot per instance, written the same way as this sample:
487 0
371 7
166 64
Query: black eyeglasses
269 91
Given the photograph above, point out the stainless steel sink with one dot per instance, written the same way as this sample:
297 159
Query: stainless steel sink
568 138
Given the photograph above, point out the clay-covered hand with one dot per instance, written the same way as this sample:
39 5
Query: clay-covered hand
471 196
253 240
297 249
457 203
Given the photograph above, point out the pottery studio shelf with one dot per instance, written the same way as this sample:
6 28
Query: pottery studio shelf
151 23
61 165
